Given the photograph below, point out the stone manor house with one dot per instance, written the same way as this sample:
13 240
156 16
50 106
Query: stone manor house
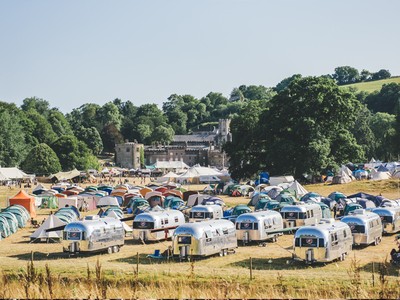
201 147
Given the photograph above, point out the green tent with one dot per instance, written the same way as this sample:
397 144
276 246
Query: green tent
49 202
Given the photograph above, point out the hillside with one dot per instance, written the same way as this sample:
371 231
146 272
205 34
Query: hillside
372 86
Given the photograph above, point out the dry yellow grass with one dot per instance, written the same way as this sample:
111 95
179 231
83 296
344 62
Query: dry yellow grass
215 277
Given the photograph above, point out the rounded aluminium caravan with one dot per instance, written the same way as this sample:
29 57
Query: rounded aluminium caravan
300 215
93 234
323 242
205 212
366 227
205 238
390 217
156 225
258 226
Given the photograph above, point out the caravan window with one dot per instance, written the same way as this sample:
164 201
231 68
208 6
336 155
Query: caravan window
267 224
388 219
208 236
74 236
309 242
143 225
357 228
334 239
302 215
184 240
248 226
291 215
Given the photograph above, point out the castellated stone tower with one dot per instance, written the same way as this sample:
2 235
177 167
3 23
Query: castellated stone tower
224 134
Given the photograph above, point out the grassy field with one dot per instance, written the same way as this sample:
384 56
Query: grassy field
363 275
372 86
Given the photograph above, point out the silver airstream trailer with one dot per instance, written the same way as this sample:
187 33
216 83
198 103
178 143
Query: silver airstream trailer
390 217
300 215
258 226
205 212
203 239
324 242
156 225
93 234
366 227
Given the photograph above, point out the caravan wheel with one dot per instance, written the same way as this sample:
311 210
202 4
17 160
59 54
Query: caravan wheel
342 257
221 253
225 252
275 238
115 249
109 250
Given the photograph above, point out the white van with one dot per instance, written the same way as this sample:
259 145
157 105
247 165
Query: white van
209 179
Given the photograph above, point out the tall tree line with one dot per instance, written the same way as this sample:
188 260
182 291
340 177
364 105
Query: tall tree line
302 125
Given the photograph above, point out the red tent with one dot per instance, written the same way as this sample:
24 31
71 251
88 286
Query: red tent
22 198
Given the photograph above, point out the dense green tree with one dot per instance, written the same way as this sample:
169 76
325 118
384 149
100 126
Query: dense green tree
149 118
42 161
12 139
144 133
246 149
37 104
285 82
110 136
365 75
59 123
162 134
396 138
129 115
344 148
91 137
73 154
346 75
178 120
303 123
362 132
385 100
383 127
41 128
381 74
236 95
86 116
109 114
302 131
256 92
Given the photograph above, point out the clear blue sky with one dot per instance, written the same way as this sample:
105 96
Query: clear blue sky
74 52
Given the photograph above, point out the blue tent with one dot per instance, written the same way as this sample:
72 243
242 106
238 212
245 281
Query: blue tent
263 177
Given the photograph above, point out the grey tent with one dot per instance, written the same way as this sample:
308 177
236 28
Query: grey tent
40 234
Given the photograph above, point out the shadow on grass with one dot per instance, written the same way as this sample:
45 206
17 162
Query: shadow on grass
144 259
383 267
282 263
39 256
